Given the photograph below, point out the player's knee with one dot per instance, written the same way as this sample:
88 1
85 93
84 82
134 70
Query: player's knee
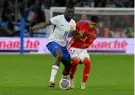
66 63
87 61
75 61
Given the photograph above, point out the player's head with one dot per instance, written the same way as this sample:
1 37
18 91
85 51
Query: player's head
69 12
83 17
94 22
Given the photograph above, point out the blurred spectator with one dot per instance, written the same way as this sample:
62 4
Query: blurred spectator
110 3
124 3
8 13
117 33
60 3
92 4
84 18
129 32
34 13
121 26
21 6
47 3
104 3
5 32
82 3
100 3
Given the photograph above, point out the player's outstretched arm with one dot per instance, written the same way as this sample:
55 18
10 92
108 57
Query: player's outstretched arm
40 25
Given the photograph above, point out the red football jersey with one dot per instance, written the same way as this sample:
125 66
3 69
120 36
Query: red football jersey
83 42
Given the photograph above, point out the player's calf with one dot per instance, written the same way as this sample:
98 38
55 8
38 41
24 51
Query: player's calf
55 68
53 74
75 62
86 71
66 70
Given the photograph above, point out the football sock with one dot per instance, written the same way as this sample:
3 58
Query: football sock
86 71
54 72
74 64
65 77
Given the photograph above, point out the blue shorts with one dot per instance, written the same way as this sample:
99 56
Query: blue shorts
53 47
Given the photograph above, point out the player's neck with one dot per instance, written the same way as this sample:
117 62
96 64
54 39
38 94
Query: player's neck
92 29
68 20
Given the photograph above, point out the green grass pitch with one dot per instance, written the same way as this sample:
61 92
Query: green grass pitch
29 75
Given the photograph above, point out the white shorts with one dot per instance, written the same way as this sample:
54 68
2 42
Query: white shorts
79 53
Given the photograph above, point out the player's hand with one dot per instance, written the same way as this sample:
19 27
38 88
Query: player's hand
34 28
71 28
82 33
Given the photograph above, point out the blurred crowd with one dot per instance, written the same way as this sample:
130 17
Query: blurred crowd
12 11
121 26
96 3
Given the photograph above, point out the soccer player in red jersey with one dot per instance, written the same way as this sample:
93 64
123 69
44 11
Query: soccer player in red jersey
86 32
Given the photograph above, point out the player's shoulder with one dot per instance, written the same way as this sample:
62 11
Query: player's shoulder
82 24
73 21
58 17
95 31
61 15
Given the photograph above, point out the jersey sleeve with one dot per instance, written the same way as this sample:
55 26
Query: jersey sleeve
55 20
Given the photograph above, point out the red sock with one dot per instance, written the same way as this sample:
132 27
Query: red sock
75 62
86 70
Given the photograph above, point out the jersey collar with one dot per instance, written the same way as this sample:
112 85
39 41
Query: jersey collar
66 19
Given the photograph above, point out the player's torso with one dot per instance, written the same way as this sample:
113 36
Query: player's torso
61 30
80 42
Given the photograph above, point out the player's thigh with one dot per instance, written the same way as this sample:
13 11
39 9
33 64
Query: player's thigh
84 54
73 53
65 54
54 48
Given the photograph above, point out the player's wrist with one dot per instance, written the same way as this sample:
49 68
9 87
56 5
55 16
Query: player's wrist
44 24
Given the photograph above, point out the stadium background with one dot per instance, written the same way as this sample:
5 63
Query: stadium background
112 54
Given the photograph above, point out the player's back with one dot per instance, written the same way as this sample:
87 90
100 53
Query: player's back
61 29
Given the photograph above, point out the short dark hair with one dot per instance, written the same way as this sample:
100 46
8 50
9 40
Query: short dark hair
94 19
70 6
